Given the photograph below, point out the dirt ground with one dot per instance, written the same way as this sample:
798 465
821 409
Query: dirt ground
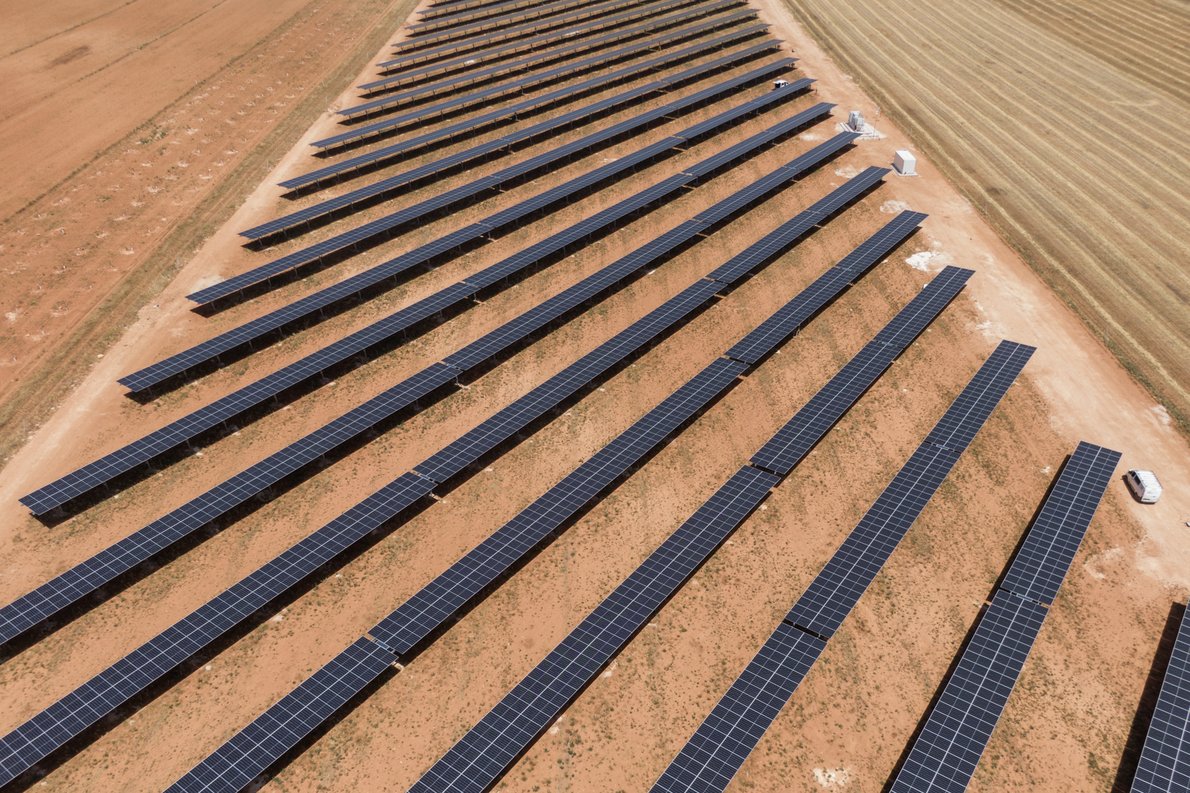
1066 725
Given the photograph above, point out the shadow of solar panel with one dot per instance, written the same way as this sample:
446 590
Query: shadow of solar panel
514 111
105 693
795 440
1164 765
478 759
308 706
450 198
724 740
1045 556
948 748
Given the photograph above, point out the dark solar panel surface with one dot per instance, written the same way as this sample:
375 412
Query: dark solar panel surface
311 306
1164 765
948 748
724 740
232 767
439 601
545 12
835 591
718 749
474 189
1045 557
452 161
98 698
479 758
796 438
523 108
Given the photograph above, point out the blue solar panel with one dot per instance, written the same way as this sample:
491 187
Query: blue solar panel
259 276
796 438
1164 765
306 707
481 756
524 108
948 748
945 753
313 306
1045 557
718 749
724 740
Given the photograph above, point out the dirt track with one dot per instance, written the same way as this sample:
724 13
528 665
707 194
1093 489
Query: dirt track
1066 725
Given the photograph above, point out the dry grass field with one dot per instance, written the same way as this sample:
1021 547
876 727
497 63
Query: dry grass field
1065 124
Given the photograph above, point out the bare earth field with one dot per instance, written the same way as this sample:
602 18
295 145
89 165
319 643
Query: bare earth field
1063 123
1067 724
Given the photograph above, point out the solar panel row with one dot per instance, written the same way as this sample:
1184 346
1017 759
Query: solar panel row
568 69
485 21
721 744
413 55
486 751
1164 765
258 277
312 307
277 731
464 67
481 34
87 577
531 106
505 144
101 697
462 6
445 108
522 45
945 753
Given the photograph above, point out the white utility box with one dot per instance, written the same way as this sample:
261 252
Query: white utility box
905 163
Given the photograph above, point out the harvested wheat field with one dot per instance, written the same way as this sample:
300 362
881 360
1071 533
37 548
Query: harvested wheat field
559 396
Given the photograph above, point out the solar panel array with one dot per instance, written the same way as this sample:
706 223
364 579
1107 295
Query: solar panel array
259 277
277 730
521 109
483 754
313 307
446 30
235 405
721 744
507 142
100 697
1164 765
946 751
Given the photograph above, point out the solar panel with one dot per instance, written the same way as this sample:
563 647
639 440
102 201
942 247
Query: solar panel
835 591
419 37
481 756
313 306
724 740
948 748
437 603
1047 552
100 697
406 57
757 344
946 751
387 224
1164 765
307 706
517 110
447 107
799 435
718 749
66 719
